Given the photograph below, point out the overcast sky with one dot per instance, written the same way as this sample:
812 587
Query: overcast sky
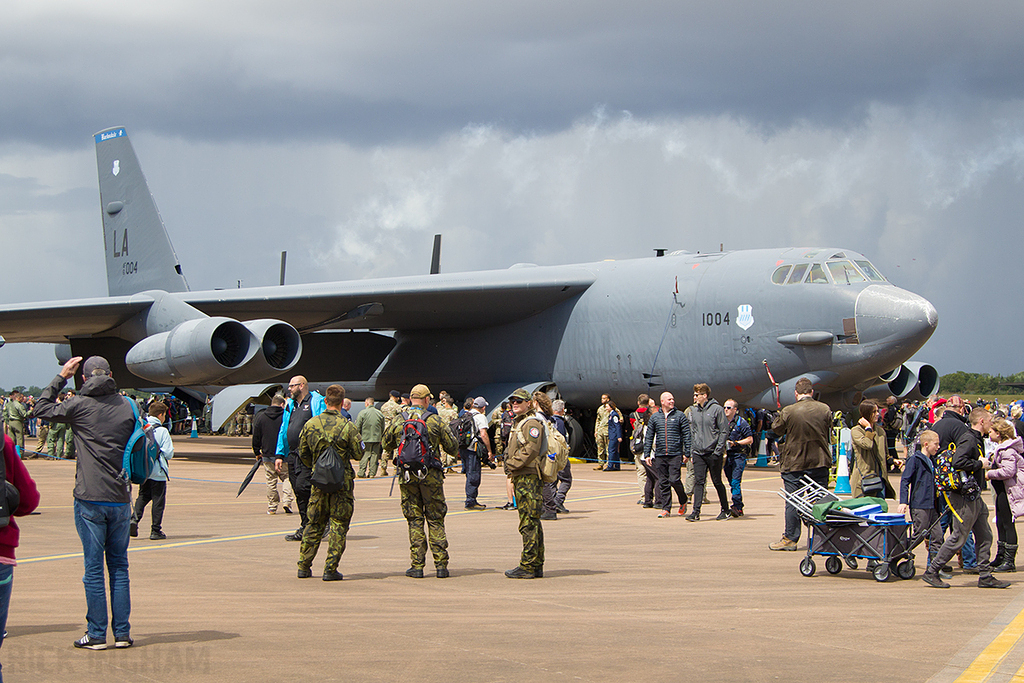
349 133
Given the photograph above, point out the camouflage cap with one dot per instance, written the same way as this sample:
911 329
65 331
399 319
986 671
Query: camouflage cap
420 391
521 393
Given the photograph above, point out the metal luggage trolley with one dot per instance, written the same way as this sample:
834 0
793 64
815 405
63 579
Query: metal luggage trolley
843 537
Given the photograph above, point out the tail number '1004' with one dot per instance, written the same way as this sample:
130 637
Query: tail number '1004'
715 319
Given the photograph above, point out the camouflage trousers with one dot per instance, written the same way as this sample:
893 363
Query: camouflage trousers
529 501
330 510
423 501
602 447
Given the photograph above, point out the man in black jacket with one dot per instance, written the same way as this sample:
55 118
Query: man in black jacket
671 428
968 507
950 427
266 427
101 421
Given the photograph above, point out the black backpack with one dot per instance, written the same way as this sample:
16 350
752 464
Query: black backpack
11 497
414 453
463 428
329 471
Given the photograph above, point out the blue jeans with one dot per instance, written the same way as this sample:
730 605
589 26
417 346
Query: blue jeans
471 466
104 532
735 463
6 582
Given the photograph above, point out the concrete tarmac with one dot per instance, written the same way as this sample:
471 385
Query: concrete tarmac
626 596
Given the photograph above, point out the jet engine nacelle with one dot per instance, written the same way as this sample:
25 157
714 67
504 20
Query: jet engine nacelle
198 351
280 347
910 381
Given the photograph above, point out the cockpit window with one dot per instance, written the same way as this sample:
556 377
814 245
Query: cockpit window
844 273
817 276
779 276
869 271
798 273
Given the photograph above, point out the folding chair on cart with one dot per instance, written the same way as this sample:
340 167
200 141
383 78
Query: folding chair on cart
842 536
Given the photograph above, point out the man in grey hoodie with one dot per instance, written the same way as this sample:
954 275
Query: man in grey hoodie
709 428
101 421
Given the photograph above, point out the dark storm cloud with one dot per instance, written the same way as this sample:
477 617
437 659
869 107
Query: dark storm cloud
410 71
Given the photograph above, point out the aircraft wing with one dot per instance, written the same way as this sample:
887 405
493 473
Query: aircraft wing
55 321
443 301
456 300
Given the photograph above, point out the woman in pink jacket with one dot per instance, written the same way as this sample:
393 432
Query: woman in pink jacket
9 535
1006 472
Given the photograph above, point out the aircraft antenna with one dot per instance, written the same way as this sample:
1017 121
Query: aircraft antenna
284 260
435 258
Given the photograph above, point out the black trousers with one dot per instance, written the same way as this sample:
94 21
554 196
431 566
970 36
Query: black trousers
299 477
667 469
704 464
155 491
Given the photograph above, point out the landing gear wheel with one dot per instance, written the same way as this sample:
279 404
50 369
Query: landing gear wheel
851 562
881 572
807 566
906 569
833 565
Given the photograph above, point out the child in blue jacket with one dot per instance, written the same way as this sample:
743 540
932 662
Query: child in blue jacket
917 491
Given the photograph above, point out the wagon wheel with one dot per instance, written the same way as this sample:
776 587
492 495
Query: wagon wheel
807 566
906 569
881 572
833 565
851 562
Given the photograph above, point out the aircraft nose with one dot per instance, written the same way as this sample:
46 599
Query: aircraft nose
891 314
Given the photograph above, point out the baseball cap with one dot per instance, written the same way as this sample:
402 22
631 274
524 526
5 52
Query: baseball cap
521 393
420 391
479 402
93 363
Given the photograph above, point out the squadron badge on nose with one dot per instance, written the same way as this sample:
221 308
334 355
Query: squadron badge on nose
746 316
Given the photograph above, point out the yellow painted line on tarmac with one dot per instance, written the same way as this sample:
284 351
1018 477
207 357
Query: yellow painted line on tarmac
981 668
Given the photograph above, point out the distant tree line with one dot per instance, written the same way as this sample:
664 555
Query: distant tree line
28 391
979 383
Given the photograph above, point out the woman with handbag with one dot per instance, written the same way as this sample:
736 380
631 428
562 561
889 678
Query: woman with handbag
1006 472
868 474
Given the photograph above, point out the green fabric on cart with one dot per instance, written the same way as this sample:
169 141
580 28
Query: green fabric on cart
820 509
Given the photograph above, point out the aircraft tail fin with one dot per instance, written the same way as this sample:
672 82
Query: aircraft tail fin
138 251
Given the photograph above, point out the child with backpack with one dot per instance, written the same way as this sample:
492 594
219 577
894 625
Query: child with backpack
155 487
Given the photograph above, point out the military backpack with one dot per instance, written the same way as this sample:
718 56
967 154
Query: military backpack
415 456
554 451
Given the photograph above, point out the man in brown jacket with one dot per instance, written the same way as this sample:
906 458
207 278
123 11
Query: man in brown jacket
806 425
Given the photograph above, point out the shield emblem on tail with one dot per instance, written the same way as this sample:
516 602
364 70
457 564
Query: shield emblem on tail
746 316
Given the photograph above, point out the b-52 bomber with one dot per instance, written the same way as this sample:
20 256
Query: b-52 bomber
735 320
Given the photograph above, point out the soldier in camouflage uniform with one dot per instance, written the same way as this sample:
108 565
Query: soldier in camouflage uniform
392 409
601 431
446 409
522 465
423 499
328 428
15 415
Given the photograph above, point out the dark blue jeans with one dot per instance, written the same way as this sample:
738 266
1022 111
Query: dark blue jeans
735 463
104 533
471 466
6 583
792 483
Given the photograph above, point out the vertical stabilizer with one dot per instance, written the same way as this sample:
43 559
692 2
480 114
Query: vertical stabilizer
138 251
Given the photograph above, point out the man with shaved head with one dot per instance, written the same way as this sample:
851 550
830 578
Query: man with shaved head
302 405
671 427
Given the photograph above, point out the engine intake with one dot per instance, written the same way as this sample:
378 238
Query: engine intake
280 349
